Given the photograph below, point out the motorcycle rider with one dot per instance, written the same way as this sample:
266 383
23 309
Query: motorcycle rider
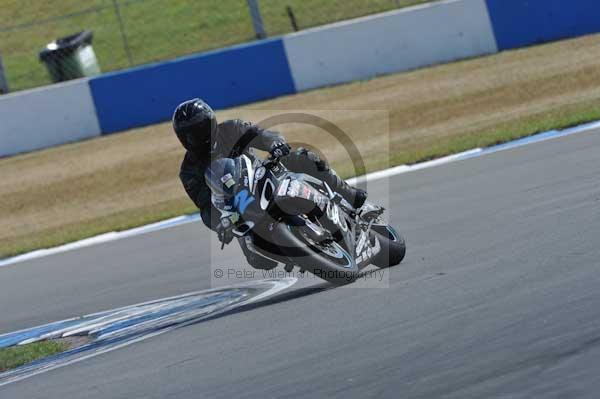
205 140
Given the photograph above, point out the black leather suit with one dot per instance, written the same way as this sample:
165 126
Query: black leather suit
236 137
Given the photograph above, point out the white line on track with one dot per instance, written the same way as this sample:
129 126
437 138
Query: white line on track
382 174
177 311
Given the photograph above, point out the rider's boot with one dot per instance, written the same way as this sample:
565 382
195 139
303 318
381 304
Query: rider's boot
370 211
355 196
310 162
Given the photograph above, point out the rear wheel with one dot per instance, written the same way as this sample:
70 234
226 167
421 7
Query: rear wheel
393 247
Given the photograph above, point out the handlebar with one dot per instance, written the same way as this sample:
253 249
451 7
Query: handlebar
270 162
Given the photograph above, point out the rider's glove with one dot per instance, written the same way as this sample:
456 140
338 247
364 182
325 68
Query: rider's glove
279 149
224 231
225 227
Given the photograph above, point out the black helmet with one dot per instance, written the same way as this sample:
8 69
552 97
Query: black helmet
194 123
223 175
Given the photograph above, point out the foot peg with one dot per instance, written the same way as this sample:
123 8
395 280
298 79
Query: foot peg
370 212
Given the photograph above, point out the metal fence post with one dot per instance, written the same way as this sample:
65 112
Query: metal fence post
293 21
3 81
257 21
122 29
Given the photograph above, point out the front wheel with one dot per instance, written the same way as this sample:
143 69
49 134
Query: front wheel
326 260
393 247
291 245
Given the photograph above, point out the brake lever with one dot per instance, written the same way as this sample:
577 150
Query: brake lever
269 163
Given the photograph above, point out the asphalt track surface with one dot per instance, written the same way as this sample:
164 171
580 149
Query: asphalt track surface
498 297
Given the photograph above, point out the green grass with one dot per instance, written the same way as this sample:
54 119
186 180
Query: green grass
125 220
16 356
155 29
527 126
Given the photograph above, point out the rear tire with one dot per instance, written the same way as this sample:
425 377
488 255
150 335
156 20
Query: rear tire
393 247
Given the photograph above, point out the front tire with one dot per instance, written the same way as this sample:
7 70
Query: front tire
330 262
289 245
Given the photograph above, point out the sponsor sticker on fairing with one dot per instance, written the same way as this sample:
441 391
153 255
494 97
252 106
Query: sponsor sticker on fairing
319 200
283 187
226 177
305 192
294 189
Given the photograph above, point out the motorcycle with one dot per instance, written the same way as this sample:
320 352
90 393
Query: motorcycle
304 223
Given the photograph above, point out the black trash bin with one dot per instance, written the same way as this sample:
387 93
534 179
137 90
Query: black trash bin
71 57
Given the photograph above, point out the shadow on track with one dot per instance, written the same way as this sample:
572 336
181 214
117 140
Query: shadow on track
284 297
287 296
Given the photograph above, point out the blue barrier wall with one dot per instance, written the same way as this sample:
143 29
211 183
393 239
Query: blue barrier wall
519 23
421 35
224 78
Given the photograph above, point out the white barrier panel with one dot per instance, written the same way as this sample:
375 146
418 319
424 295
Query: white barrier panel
45 117
391 42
